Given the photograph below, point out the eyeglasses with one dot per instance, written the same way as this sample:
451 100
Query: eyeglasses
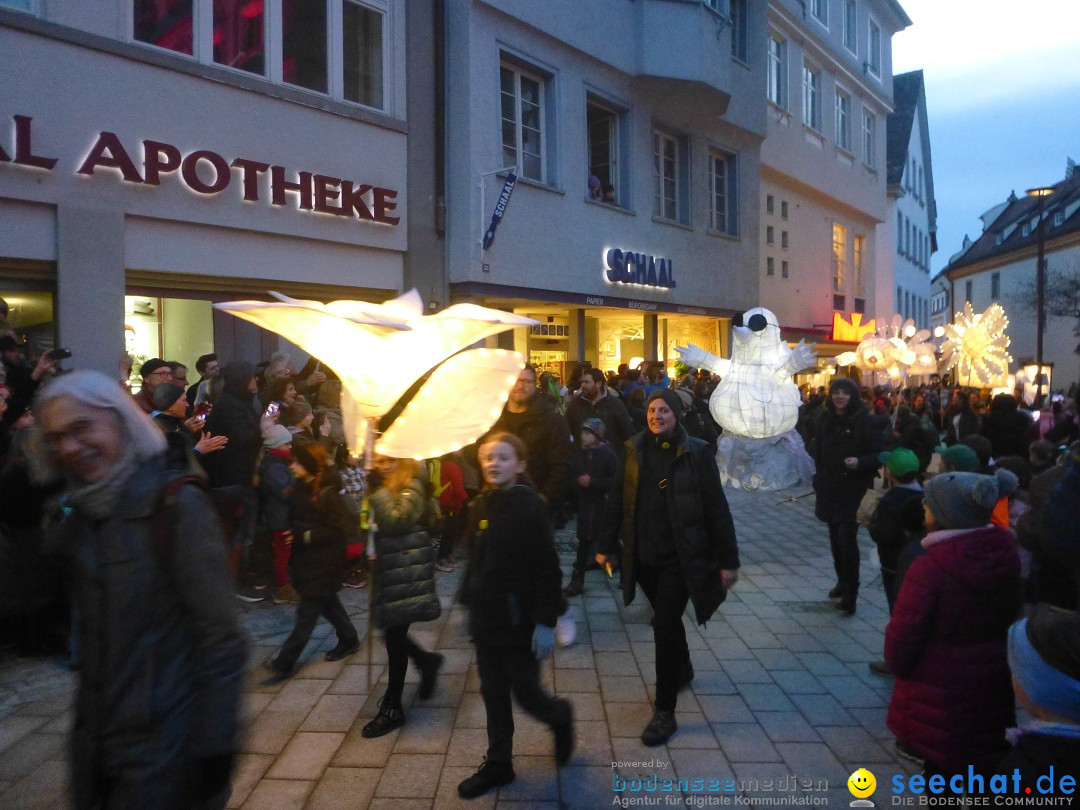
164 371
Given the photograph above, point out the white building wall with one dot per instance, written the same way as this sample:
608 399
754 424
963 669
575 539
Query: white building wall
911 238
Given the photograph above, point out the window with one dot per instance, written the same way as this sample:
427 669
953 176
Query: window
851 36
967 291
899 233
820 9
812 97
873 49
1025 229
769 235
719 6
899 297
843 120
778 71
838 302
671 177
770 266
770 203
287 42
995 286
783 240
1059 217
783 269
723 193
859 305
859 263
839 256
783 209
869 139
522 97
740 36
21 4
606 126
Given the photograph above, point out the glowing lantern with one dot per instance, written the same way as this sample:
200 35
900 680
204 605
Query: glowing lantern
976 344
455 405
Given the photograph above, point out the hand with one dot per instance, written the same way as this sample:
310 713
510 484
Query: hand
584 480
729 576
601 560
267 421
543 641
851 462
126 361
324 429
691 355
315 378
209 444
287 537
194 424
45 365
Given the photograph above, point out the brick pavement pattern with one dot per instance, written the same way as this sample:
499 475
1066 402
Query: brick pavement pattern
781 690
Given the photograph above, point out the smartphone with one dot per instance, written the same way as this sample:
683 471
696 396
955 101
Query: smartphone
272 409
60 354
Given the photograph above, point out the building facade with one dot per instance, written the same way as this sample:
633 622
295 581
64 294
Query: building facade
173 154
999 266
633 129
823 162
908 237
940 311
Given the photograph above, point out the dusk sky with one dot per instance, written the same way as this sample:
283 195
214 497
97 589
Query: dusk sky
1003 96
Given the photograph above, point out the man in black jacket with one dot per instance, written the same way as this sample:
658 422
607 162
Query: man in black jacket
596 400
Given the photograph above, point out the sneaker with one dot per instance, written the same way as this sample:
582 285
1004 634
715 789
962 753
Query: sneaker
286 595
564 737
910 754
660 728
249 593
429 673
390 716
879 668
566 628
445 565
343 650
490 775
577 584
355 579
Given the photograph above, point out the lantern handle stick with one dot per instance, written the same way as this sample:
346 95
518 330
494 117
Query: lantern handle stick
369 549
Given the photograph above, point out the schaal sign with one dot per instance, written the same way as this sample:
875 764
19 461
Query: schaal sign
627 267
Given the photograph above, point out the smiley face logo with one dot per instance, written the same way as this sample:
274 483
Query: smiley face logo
861 783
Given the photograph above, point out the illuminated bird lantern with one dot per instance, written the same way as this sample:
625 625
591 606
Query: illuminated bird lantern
757 404
977 346
392 358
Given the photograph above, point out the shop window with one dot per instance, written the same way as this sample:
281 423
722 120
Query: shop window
606 126
31 316
522 101
304 38
239 35
170 328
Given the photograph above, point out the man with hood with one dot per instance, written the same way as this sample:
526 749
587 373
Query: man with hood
846 446
668 507
162 651
233 467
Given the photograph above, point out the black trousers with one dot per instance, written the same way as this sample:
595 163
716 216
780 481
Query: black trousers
503 672
307 615
844 543
666 590
399 649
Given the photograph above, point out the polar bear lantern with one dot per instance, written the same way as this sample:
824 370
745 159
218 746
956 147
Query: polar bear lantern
757 404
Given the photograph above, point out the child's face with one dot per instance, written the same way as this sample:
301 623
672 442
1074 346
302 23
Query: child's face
588 438
500 464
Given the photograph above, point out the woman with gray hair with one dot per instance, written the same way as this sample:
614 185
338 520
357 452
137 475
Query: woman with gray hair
156 717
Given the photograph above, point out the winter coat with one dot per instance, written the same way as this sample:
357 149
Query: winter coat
234 417
1008 430
405 561
609 409
854 433
547 438
321 530
946 645
910 432
958 430
275 488
899 515
599 463
162 649
1061 528
512 579
703 531
1036 752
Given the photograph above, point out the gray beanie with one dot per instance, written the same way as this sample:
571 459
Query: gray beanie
671 398
964 500
276 436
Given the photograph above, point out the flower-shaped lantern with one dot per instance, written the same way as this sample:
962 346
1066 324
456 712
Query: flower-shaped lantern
976 344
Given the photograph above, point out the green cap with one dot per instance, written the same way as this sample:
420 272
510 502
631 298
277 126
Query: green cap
900 461
960 457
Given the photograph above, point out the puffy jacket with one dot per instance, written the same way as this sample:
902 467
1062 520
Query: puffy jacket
512 579
946 645
703 530
854 433
162 649
547 438
405 563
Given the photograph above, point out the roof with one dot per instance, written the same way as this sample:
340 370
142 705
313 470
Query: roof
907 92
1006 234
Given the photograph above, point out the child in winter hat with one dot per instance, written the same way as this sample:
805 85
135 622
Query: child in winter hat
962 500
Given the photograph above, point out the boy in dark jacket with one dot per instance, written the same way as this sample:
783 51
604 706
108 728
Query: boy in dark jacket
595 463
899 514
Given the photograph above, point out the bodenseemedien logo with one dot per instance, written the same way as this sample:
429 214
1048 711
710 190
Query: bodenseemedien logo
862 785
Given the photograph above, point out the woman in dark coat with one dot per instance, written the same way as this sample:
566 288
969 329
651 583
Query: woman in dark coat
847 442
1009 431
404 582
678 542
946 640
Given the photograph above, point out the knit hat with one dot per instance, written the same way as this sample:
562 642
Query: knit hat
960 457
671 398
595 426
150 366
276 436
1044 658
900 461
295 413
847 384
686 398
964 500
166 394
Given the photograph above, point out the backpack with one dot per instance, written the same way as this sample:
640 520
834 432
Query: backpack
227 504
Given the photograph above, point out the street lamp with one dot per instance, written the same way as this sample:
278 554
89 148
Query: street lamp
1040 286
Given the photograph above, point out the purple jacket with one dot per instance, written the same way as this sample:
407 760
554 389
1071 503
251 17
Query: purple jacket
946 644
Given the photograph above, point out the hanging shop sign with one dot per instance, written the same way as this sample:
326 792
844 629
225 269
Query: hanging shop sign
627 267
500 209
207 173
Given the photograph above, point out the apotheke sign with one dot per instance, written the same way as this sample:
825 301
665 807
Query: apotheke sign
207 173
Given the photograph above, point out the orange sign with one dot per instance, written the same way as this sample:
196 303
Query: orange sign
854 331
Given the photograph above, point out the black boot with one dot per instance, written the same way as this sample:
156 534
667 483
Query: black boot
491 775
660 728
837 591
564 736
577 584
429 672
390 716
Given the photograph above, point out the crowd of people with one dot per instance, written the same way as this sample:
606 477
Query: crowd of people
168 504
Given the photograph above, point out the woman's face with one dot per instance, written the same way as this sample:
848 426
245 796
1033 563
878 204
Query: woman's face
85 441
500 464
298 469
385 465
660 417
307 420
290 394
841 398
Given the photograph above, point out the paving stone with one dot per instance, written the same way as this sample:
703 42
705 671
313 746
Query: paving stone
744 742
427 731
537 781
306 756
44 787
619 689
586 788
605 641
786 727
298 694
578 680
278 794
798 682
587 705
30 752
854 744
333 713
247 771
742 672
467 747
725 709
764 697
13 729
694 731
853 693
352 680
356 751
823 710
712 682
813 758
410 776
344 789
271 732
